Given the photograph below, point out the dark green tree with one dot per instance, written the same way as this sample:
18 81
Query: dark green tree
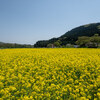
57 44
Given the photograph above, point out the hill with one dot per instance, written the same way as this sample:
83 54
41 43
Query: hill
72 35
14 45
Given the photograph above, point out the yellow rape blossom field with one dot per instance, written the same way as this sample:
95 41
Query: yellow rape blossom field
50 74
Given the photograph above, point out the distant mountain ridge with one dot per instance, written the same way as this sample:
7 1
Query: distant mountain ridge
72 35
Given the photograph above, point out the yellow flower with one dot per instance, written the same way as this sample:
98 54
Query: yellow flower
60 73
98 94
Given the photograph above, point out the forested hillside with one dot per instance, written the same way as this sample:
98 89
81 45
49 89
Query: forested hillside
72 35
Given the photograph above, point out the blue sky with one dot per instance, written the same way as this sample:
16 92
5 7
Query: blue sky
27 21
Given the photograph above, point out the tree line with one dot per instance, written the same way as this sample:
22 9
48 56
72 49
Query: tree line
83 41
14 45
71 36
90 42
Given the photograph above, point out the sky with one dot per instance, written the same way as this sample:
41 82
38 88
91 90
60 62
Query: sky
27 21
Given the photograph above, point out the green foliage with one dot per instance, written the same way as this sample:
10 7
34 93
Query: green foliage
14 45
44 43
92 42
98 27
69 46
95 38
56 44
50 45
72 36
82 41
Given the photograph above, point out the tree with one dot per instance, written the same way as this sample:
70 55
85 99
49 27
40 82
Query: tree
50 45
95 40
91 42
57 44
82 41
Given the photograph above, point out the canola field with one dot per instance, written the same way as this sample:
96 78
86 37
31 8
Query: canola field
50 74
